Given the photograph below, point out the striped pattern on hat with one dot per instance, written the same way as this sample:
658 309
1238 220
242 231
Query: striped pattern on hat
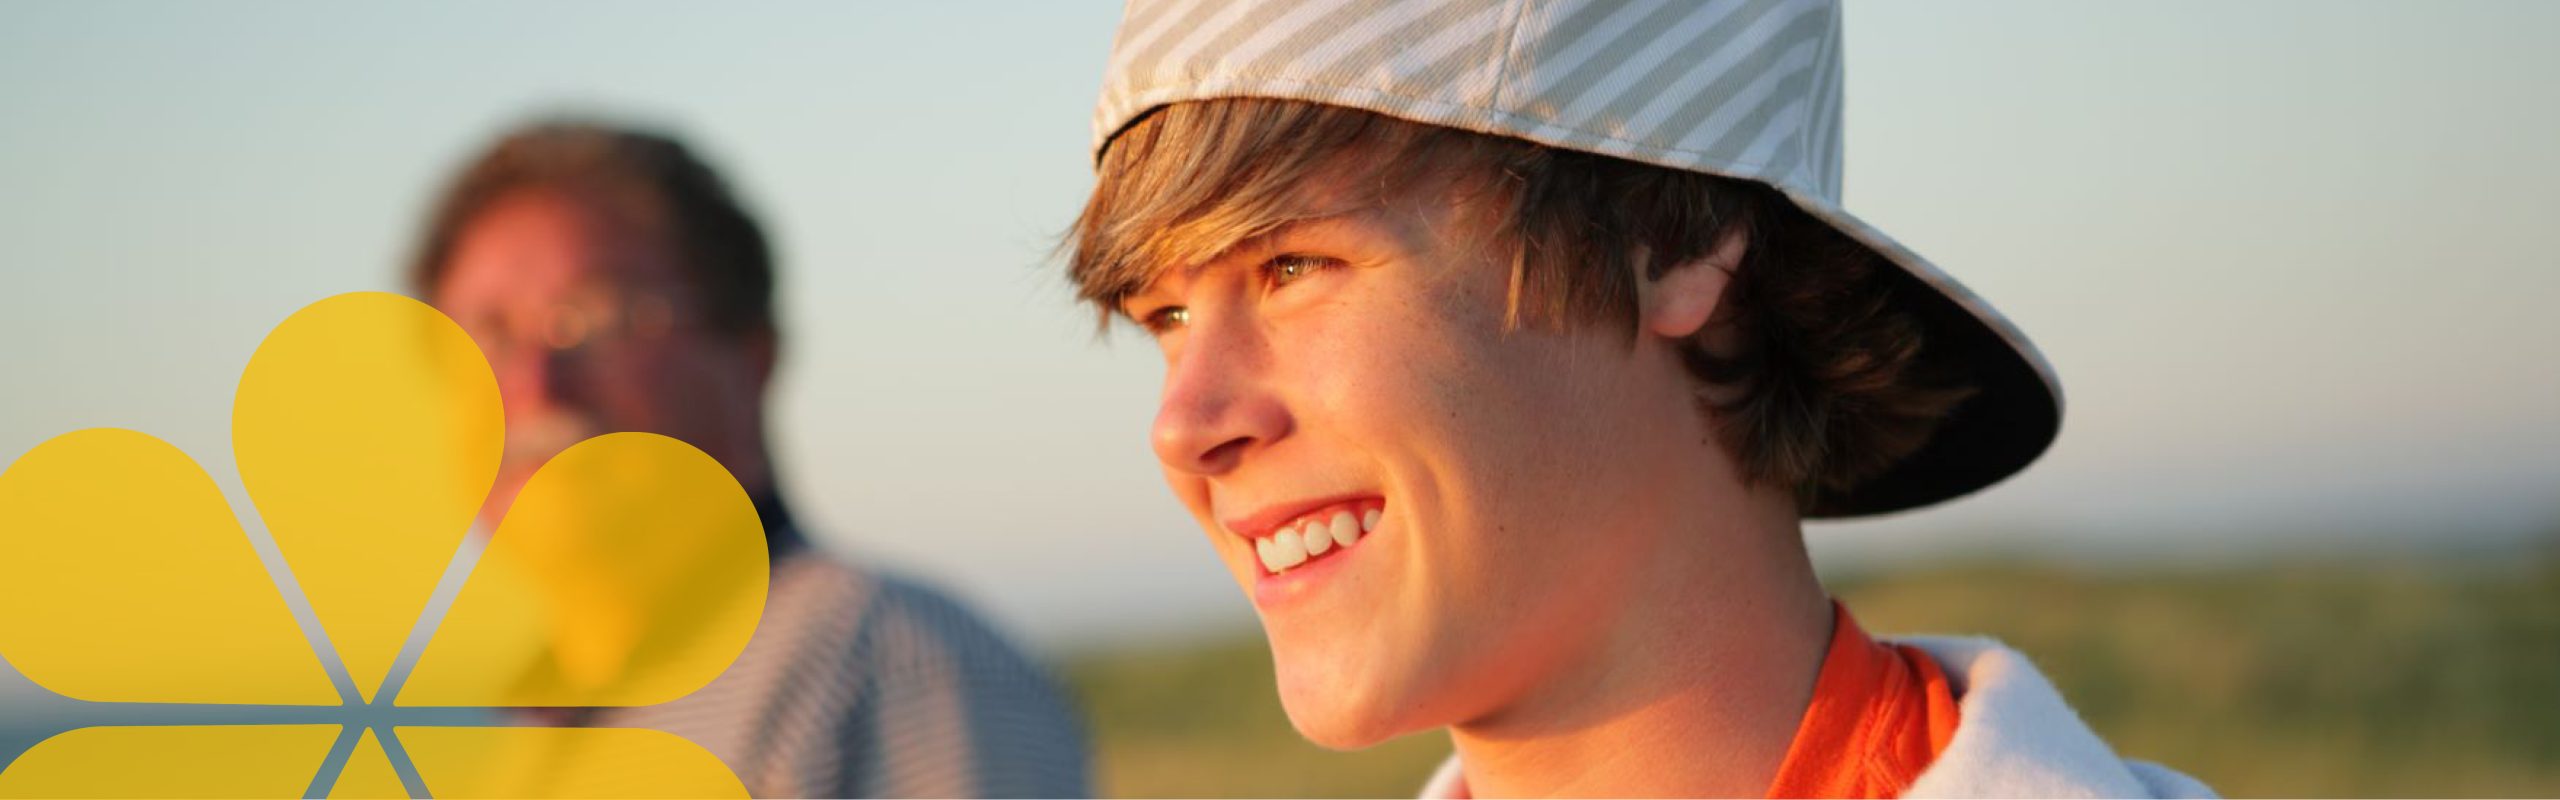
1593 76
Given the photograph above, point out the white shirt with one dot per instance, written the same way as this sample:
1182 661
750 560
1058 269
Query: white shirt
2014 738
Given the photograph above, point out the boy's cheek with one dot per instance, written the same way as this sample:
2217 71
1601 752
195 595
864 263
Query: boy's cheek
1193 492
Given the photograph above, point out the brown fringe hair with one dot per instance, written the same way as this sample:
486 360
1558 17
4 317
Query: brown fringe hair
1831 382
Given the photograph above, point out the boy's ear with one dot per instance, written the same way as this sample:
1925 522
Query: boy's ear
1680 302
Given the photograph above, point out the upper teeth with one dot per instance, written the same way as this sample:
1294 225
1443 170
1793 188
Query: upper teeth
1311 536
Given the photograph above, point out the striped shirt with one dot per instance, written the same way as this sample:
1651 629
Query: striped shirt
858 684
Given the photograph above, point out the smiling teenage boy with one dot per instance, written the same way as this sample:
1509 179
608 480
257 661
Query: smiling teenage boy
1508 343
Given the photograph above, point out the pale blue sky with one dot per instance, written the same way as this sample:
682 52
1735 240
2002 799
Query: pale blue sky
2293 259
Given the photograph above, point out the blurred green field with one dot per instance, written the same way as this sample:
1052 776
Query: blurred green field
2416 678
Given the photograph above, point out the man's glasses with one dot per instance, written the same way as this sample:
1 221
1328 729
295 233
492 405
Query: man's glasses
593 323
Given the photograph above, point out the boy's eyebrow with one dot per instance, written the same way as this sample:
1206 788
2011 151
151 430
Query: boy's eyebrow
1276 233
1279 231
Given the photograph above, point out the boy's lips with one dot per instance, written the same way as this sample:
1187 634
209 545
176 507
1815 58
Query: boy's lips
1264 522
1287 537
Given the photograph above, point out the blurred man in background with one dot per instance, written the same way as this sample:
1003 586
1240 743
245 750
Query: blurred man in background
615 284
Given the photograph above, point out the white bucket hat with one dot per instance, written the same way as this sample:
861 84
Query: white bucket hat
1739 88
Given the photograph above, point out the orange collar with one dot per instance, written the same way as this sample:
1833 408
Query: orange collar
1880 714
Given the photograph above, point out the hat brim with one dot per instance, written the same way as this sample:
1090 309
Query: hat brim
2012 418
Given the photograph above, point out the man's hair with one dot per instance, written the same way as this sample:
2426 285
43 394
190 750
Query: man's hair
645 184
1828 382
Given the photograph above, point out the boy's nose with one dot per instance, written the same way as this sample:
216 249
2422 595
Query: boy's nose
1218 404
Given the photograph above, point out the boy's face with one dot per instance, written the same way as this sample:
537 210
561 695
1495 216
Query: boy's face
1360 362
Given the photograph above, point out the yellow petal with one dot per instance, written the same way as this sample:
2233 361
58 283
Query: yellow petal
564 762
172 761
125 578
367 430
368 772
630 571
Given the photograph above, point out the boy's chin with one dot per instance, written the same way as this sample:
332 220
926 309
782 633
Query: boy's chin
1336 716
1333 730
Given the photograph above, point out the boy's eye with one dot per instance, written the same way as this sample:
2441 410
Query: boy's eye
1287 269
1164 319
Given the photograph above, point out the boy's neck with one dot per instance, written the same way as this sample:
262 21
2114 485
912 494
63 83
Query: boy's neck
1696 692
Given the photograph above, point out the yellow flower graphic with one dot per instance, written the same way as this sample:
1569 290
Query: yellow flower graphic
367 429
